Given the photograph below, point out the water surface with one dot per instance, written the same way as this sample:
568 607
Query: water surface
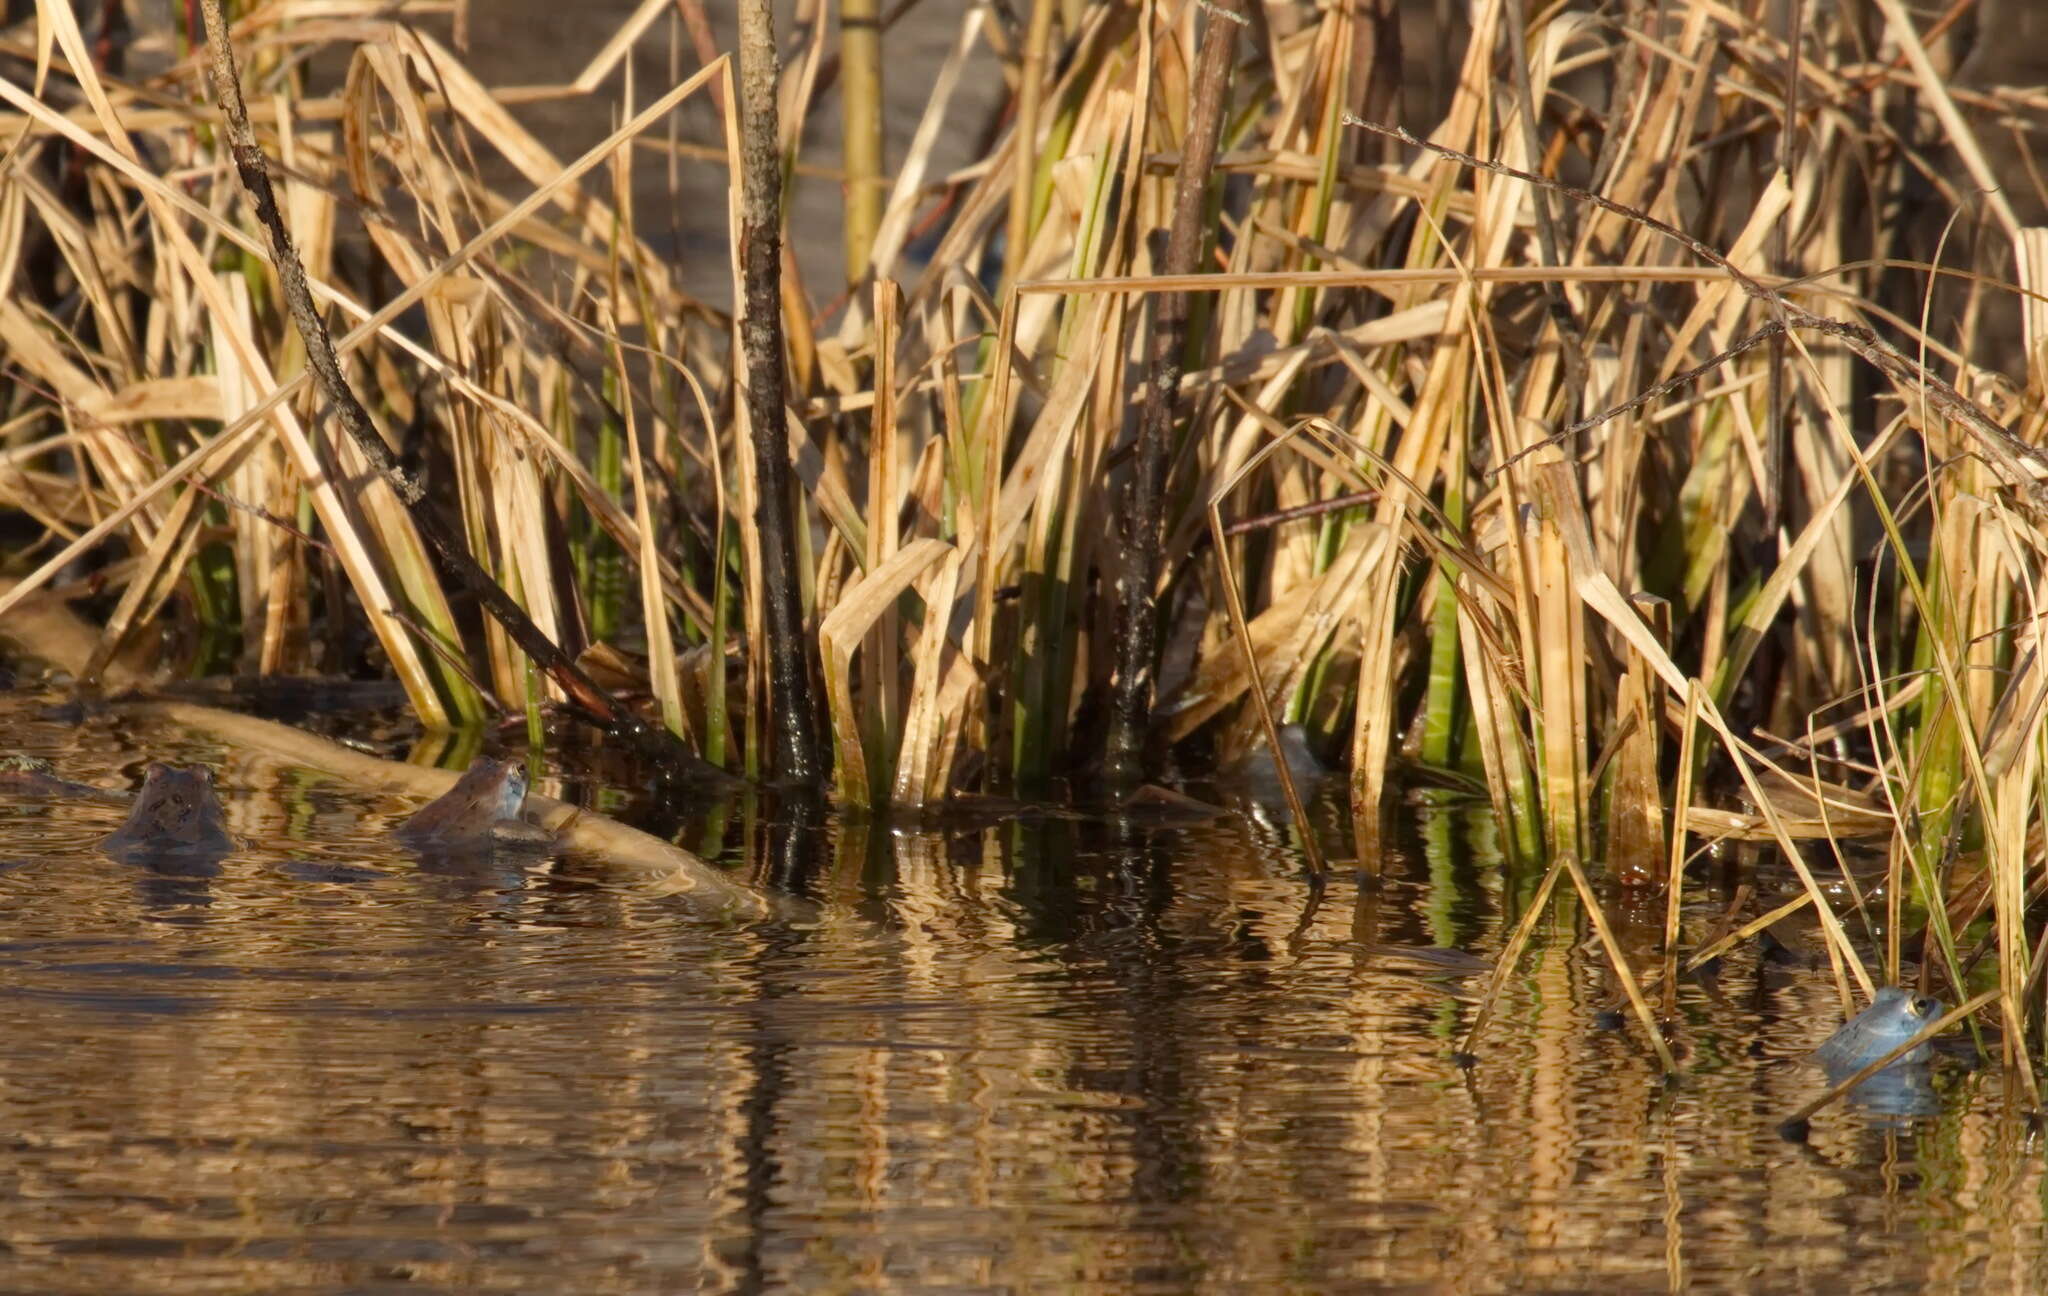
1047 1055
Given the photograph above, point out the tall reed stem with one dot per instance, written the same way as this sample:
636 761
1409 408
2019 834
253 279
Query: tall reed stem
799 754
860 101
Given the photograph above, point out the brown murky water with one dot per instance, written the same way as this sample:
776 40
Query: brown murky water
1039 1056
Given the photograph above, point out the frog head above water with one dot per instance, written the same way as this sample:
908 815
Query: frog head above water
1257 777
480 811
176 813
1895 1015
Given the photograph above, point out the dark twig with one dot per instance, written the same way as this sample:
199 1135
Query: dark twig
799 752
1671 384
584 694
1144 497
1244 526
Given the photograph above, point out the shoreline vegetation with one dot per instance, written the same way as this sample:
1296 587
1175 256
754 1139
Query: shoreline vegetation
629 858
1644 439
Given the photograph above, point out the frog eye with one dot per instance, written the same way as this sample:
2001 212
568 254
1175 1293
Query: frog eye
1925 1006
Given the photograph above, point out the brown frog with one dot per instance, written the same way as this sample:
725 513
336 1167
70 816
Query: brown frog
176 813
1257 777
33 776
480 812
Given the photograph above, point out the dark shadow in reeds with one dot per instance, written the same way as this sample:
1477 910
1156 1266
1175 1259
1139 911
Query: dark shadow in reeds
1142 520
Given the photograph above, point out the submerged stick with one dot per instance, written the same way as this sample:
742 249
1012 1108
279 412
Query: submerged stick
1142 517
58 636
653 862
584 693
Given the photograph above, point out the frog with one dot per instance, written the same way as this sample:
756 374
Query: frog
177 813
34 776
481 812
1258 776
1895 1015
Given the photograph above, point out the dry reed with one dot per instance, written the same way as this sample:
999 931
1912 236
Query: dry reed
1734 453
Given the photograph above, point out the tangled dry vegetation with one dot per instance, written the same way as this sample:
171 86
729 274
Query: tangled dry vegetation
1794 596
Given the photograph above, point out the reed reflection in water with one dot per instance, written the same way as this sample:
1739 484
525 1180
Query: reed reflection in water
1047 1054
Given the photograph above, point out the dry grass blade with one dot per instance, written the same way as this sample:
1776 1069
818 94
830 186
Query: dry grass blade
1513 501
863 603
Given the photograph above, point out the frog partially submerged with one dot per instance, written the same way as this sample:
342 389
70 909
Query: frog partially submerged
175 814
481 812
1894 1016
1258 776
34 776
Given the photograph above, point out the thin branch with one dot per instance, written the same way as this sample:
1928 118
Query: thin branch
1244 526
1671 384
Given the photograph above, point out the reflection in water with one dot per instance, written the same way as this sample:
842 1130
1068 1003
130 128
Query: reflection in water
1897 1091
1046 1054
